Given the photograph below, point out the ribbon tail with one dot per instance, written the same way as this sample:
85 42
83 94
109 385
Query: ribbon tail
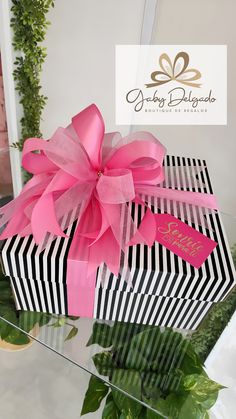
146 233
204 200
106 250
16 225
33 189
112 218
44 220
80 285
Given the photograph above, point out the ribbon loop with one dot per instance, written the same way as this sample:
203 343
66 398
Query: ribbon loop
116 186
89 126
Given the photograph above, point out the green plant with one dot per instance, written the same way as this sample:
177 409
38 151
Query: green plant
158 367
61 321
29 26
22 319
2 276
205 337
233 251
25 320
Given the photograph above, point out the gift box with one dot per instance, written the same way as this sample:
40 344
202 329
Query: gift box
154 285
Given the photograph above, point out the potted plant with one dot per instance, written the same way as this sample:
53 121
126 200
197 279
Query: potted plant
11 338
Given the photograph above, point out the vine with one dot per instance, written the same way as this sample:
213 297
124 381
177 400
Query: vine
29 24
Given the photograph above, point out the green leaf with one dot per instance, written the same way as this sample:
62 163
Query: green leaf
110 410
44 319
191 410
136 360
106 336
29 26
127 415
104 363
122 333
9 332
191 362
159 385
177 406
72 333
28 319
120 355
6 298
153 415
5 329
102 335
95 393
4 285
153 350
6 308
131 415
202 389
130 382
11 317
2 276
201 385
166 408
151 383
13 335
16 337
72 317
209 401
196 395
61 321
142 349
6 295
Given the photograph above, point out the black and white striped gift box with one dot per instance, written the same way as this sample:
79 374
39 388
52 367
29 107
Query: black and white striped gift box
155 286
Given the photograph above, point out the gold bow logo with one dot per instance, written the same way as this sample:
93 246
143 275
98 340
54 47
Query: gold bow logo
178 71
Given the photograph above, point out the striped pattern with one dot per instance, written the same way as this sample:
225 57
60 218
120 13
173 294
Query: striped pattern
156 270
38 278
155 286
131 307
42 296
167 351
50 336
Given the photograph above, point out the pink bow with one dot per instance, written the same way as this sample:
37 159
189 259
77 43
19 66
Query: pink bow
82 167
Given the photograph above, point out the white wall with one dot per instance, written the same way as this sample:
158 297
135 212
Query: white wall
80 69
204 22
13 108
80 66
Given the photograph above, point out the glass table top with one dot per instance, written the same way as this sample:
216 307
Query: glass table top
145 369
142 371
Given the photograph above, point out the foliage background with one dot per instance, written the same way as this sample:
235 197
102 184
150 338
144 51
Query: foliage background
29 24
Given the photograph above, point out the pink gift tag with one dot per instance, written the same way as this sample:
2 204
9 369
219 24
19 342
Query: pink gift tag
183 240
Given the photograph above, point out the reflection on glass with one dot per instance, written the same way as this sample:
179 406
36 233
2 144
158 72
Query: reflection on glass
132 367
157 366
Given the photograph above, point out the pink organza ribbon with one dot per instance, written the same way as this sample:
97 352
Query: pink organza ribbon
102 173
